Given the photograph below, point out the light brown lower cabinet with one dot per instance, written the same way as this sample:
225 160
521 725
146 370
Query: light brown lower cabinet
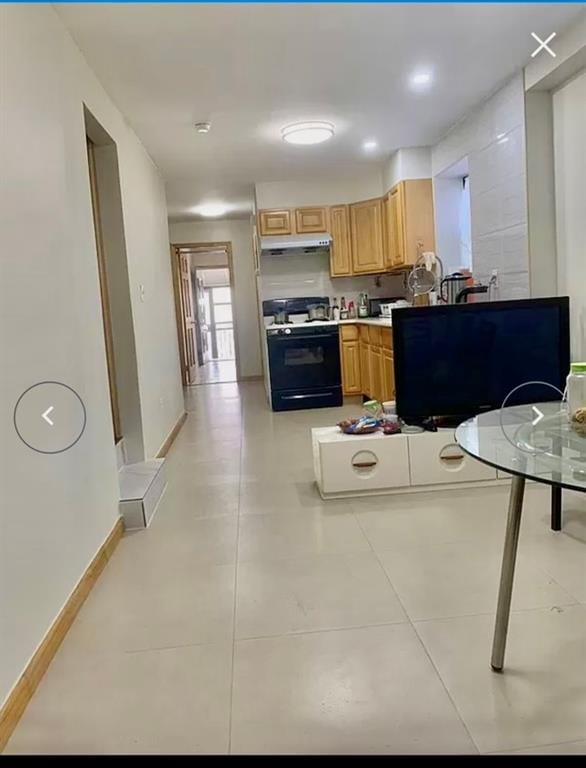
350 357
351 384
367 361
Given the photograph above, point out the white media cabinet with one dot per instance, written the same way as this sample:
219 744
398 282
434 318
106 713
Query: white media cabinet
363 465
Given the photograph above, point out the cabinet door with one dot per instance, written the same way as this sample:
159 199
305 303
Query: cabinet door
275 222
365 368
396 226
387 231
351 368
387 375
418 223
309 220
367 236
340 253
375 373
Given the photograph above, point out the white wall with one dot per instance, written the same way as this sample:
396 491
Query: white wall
330 191
569 117
492 137
408 163
239 233
57 510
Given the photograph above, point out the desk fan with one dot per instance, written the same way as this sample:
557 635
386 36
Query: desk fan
426 275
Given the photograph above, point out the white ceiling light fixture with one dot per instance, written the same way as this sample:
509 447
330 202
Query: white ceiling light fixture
313 132
211 210
203 127
370 145
421 80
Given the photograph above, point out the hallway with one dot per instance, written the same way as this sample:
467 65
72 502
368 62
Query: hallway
254 617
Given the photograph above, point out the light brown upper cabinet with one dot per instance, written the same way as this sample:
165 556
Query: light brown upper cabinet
275 222
308 220
367 236
340 250
387 231
409 222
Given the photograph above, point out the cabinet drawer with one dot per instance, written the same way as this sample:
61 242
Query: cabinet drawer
364 463
375 335
387 337
436 458
348 333
364 335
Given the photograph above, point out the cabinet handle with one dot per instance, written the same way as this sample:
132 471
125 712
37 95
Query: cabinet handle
452 458
364 464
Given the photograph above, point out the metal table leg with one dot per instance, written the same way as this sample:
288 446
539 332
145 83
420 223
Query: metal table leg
507 573
556 508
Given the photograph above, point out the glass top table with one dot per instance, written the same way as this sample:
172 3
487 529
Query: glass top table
535 442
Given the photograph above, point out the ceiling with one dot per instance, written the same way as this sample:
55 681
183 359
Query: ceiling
249 69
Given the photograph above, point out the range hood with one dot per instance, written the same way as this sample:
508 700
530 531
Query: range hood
294 245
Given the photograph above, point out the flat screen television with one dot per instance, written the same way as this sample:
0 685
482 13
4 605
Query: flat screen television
459 360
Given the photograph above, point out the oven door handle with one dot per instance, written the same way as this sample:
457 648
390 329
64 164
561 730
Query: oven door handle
305 397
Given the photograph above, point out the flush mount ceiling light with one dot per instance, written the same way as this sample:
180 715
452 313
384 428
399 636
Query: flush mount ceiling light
307 133
420 80
211 209
369 146
203 127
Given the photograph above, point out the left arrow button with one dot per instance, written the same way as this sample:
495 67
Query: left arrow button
46 416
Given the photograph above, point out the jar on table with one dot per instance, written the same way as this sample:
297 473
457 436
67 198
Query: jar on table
576 393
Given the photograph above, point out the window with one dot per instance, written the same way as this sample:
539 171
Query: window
464 225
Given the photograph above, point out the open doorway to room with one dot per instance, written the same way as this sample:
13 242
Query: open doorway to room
204 292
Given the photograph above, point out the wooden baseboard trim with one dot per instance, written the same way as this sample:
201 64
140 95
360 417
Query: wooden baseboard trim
164 449
24 689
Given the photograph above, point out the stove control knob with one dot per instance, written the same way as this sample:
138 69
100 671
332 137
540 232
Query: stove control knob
287 331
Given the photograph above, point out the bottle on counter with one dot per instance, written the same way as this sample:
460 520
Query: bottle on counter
363 305
351 311
335 309
343 309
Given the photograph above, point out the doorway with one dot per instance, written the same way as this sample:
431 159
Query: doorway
206 323
104 291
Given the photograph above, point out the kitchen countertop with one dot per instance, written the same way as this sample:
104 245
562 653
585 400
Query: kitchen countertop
382 322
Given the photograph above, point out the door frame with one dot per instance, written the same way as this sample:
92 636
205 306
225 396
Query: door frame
175 269
104 292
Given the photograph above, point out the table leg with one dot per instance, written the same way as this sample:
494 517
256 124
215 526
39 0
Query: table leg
507 573
556 508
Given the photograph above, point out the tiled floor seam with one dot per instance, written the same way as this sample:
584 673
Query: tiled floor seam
532 746
235 604
426 652
322 630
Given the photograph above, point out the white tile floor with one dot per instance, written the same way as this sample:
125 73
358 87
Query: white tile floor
253 617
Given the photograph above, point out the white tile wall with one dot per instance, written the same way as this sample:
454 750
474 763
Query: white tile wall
493 139
309 275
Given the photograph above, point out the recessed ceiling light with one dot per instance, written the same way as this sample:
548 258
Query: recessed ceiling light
203 127
420 80
307 133
369 145
211 209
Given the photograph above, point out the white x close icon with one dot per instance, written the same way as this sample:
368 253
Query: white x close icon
543 44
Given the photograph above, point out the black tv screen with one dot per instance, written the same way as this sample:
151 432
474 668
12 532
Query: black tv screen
459 360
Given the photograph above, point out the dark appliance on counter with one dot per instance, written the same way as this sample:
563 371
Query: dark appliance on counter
457 360
375 302
304 360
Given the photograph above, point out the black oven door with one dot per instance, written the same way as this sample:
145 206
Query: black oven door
308 361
